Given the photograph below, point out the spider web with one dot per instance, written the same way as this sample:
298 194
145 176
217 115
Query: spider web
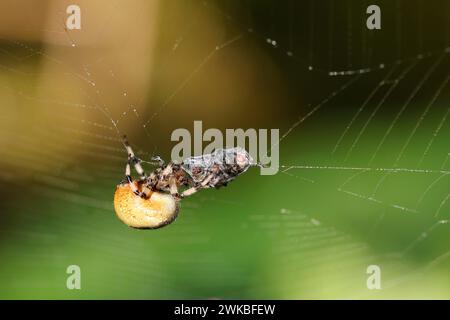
364 175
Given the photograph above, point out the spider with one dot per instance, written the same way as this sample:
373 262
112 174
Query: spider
152 201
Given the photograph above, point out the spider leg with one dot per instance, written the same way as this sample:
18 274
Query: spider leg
159 160
145 191
173 188
194 189
167 170
164 178
133 160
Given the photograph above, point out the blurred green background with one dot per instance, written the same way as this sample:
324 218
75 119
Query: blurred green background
364 178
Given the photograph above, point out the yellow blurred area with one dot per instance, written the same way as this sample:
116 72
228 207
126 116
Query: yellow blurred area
51 79
127 67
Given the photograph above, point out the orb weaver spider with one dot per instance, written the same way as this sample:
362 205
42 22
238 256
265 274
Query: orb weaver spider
153 201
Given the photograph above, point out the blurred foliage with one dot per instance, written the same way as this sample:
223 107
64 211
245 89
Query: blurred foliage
301 234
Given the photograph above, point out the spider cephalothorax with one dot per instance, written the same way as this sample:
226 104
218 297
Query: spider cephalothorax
153 201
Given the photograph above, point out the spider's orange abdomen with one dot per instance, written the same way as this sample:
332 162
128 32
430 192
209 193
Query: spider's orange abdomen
156 211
